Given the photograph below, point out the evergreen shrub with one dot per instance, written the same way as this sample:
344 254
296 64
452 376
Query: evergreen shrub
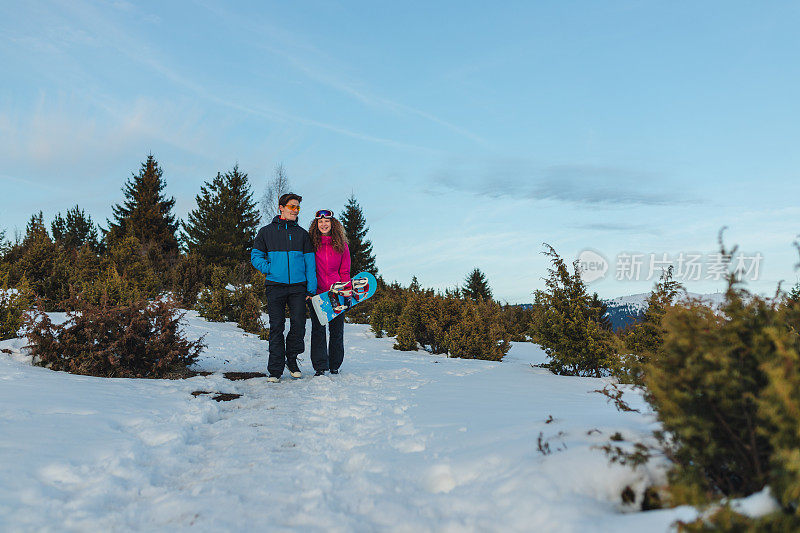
42 263
131 261
442 324
478 332
410 328
726 388
704 383
13 305
517 321
569 326
727 519
140 340
647 335
388 304
121 277
240 303
779 406
63 271
362 313
188 279
385 315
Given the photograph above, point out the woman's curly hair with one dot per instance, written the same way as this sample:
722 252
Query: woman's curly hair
339 238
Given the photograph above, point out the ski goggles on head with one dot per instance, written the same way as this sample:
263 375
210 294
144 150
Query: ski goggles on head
324 213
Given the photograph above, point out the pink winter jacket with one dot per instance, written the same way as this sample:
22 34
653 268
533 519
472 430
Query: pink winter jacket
332 266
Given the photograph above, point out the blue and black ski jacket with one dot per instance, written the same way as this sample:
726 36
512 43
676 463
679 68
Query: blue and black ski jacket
282 250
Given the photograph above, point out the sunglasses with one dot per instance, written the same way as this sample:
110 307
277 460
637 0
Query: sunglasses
324 213
293 207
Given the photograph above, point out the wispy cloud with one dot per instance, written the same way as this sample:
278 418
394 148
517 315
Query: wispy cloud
351 88
575 183
272 113
621 227
31 183
79 19
307 59
55 133
136 50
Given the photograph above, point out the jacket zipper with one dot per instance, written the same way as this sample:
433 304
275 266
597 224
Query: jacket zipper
288 266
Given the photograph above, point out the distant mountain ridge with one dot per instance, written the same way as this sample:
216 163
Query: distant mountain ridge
626 310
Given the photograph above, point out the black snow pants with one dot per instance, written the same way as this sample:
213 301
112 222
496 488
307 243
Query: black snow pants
328 357
280 350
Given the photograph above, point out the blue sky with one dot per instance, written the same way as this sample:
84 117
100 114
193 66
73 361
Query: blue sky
471 133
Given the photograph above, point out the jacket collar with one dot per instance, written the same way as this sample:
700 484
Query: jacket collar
278 220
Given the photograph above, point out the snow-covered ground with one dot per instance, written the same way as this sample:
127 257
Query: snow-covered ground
399 441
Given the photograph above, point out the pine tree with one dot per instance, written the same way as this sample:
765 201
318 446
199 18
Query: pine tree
222 228
355 226
146 213
58 227
35 230
476 286
75 230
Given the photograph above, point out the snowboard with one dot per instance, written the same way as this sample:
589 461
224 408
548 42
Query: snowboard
343 295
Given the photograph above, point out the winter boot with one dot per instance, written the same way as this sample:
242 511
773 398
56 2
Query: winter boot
294 370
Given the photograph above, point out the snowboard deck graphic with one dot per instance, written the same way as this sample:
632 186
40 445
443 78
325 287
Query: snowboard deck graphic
343 296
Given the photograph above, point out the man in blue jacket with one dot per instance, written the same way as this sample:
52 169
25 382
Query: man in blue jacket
283 251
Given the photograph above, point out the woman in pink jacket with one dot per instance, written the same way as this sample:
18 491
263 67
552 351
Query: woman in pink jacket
333 264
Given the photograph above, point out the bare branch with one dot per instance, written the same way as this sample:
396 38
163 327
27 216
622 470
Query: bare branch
277 186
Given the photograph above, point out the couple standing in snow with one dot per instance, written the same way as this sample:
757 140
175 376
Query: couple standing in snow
299 264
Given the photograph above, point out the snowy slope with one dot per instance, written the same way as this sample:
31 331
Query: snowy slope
400 441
